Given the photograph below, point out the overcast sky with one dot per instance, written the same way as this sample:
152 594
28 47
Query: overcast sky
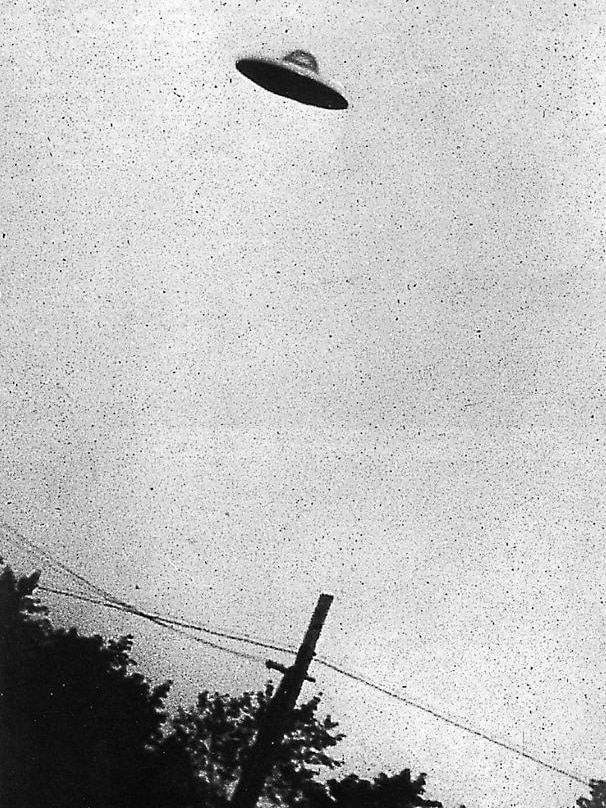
252 351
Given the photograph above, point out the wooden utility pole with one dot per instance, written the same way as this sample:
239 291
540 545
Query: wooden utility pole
279 714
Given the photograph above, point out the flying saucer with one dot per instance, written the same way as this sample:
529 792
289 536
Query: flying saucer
294 76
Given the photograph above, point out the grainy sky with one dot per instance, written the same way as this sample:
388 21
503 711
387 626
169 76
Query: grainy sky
252 351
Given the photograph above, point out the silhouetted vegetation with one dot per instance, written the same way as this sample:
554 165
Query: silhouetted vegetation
79 727
218 734
598 795
397 791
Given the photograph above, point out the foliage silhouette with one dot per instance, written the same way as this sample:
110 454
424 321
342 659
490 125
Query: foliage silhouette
218 734
80 728
395 791
77 726
598 795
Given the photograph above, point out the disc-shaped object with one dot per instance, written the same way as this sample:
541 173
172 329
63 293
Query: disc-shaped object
294 76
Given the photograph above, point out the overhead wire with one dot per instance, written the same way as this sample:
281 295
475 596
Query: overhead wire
157 619
179 626
440 716
169 622
15 537
201 640
360 680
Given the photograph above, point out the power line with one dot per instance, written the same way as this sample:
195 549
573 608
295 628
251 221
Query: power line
451 721
169 621
154 618
109 600
201 640
18 538
179 626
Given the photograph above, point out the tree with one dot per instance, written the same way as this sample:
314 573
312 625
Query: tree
80 728
598 795
77 726
218 735
395 791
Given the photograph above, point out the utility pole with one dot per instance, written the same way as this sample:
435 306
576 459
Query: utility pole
279 714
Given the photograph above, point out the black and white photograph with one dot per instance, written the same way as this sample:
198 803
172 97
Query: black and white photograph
302 404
